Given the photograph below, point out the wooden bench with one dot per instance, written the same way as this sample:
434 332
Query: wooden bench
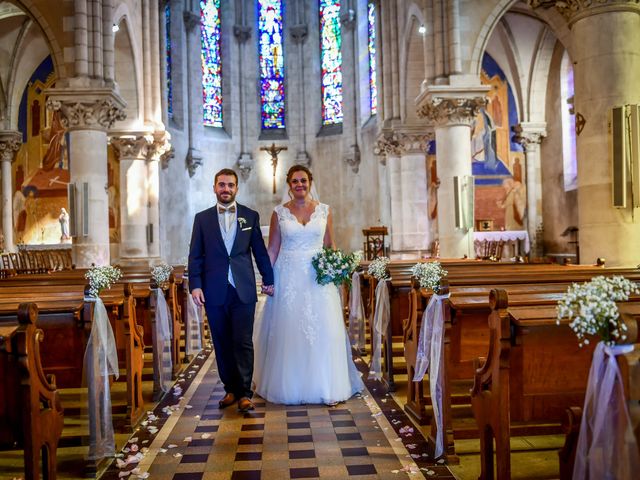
31 417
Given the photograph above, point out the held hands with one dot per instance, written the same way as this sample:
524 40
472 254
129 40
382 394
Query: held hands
268 289
198 296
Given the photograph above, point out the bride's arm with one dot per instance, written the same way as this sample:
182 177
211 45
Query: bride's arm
274 238
328 233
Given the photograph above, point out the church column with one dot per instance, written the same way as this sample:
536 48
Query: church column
530 135
388 148
10 142
158 150
132 148
606 58
451 111
87 114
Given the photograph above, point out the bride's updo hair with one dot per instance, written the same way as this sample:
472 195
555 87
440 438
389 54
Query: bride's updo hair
299 168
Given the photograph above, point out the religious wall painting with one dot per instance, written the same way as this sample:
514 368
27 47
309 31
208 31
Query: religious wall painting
113 193
498 161
41 169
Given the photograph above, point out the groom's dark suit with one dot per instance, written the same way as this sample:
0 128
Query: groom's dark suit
230 310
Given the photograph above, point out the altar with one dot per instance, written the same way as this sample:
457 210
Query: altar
514 242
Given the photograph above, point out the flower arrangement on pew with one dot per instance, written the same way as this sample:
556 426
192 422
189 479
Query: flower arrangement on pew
429 274
334 266
591 308
101 278
161 273
378 268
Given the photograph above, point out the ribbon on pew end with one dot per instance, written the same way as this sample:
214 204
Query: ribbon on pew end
194 321
381 319
162 361
100 361
430 357
607 447
356 314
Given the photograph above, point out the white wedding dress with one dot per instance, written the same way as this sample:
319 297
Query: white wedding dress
302 352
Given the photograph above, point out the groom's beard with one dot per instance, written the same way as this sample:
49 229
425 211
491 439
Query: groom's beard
227 200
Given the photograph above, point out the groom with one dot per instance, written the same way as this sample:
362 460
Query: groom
221 278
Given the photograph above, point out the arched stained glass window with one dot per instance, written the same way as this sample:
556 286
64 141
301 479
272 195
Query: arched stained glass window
270 16
570 162
373 88
211 62
331 61
167 20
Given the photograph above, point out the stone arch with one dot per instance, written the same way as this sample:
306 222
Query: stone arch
126 55
412 52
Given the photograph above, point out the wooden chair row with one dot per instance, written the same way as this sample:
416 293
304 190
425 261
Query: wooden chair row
34 261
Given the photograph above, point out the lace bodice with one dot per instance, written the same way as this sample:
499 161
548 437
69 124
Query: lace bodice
296 237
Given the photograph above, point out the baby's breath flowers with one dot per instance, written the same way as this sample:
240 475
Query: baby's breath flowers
101 278
429 274
334 266
378 268
161 273
591 308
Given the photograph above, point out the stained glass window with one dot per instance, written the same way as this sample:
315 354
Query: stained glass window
373 88
167 20
211 62
570 161
331 61
271 63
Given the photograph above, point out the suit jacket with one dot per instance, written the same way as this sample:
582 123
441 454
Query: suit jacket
209 261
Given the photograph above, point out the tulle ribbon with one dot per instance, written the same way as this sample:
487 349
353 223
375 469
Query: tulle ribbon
100 361
430 357
607 447
193 327
163 365
381 318
356 314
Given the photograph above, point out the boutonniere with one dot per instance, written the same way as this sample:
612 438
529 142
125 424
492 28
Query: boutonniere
242 222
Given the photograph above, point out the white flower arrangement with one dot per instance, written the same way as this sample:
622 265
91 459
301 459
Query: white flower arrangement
378 268
101 278
429 274
161 273
591 308
242 221
333 266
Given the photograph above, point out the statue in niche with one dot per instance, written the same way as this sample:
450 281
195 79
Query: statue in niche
64 226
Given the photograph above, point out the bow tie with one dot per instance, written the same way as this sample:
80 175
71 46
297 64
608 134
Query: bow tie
222 210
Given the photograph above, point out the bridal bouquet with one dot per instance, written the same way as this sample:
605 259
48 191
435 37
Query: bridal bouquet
592 310
161 273
101 278
429 274
334 266
378 268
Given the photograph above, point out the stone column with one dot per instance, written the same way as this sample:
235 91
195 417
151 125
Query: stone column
10 141
158 150
606 62
388 147
530 135
451 111
133 148
87 114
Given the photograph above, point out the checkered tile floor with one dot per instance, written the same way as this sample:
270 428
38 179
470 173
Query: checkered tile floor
201 442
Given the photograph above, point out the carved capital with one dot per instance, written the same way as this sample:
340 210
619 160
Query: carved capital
443 111
10 142
193 160
132 146
414 142
387 145
161 148
573 10
352 158
529 137
86 109
245 165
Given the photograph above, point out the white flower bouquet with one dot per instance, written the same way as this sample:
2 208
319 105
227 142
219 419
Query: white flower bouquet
429 274
161 273
334 266
591 308
101 278
378 268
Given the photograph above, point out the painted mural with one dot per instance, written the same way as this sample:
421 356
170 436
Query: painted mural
497 161
41 169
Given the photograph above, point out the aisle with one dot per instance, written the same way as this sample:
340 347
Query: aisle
200 442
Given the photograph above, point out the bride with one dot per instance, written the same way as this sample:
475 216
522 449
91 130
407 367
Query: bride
302 354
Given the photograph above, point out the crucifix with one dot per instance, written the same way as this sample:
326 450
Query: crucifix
274 151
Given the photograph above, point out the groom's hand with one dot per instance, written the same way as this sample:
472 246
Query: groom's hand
268 289
198 296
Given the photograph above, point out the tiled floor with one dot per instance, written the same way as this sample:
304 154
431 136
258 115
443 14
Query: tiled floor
359 438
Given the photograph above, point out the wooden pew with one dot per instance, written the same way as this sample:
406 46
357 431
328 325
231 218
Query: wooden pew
31 417
533 372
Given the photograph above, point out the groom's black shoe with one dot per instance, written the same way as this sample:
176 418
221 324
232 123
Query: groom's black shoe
228 399
245 404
